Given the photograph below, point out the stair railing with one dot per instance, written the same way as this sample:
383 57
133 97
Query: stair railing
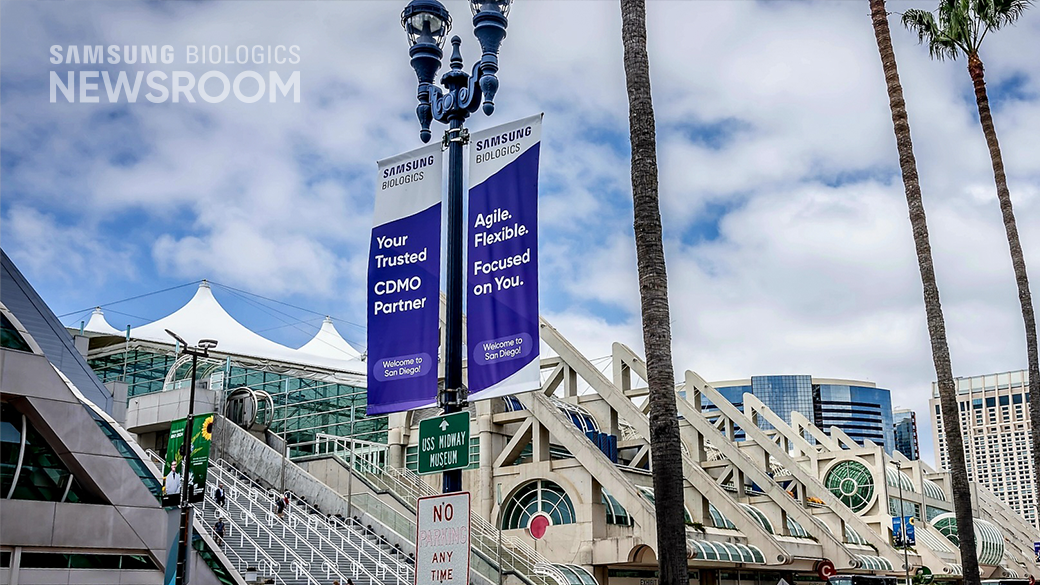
250 517
260 556
261 500
409 486
383 561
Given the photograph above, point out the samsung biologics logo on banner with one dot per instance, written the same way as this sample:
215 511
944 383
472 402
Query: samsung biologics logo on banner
500 145
406 172
121 83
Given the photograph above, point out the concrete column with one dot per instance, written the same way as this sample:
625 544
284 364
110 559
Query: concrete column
485 482
598 511
540 442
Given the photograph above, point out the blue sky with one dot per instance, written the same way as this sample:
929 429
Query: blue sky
787 240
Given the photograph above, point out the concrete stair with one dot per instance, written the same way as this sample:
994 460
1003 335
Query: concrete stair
304 547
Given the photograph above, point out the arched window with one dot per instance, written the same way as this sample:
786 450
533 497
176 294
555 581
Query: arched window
616 513
852 483
989 541
538 496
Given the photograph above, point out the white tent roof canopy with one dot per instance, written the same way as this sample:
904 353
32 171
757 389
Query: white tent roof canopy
204 318
98 324
329 343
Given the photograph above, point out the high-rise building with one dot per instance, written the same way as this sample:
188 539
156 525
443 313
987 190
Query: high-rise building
860 409
904 424
994 413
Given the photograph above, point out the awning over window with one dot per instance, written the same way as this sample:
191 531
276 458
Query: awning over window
727 552
875 563
566 574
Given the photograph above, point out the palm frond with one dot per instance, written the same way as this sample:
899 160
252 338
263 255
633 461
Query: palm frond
940 45
1001 13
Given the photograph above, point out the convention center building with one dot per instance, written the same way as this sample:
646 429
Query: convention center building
560 477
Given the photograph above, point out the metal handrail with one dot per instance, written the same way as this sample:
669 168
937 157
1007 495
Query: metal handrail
299 569
409 486
254 495
261 563
249 514
243 535
404 579
403 568
154 458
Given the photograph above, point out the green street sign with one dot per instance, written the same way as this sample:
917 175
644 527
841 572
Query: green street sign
444 443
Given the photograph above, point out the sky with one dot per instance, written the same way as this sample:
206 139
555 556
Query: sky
785 222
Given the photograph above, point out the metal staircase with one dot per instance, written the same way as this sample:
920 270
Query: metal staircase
406 486
302 548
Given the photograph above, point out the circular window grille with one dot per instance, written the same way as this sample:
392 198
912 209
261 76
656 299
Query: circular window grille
541 496
852 483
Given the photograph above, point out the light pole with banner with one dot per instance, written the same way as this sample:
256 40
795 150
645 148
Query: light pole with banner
427 23
200 350
902 521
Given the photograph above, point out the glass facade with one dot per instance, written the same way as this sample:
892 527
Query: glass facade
144 369
29 468
904 433
10 338
861 412
782 394
303 406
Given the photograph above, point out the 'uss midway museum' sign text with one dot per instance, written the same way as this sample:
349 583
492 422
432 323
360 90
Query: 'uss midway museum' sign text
444 443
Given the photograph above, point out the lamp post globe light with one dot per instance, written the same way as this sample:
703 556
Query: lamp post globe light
427 23
200 350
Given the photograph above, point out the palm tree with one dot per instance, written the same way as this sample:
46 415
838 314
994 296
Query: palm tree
665 447
961 27
932 305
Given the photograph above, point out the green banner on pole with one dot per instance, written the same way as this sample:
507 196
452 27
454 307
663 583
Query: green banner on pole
198 460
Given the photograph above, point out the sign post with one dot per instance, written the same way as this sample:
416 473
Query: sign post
442 541
444 443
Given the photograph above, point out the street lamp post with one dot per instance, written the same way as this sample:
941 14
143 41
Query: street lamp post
427 23
902 521
200 350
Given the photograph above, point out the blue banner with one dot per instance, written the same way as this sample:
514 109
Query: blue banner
899 524
404 282
502 264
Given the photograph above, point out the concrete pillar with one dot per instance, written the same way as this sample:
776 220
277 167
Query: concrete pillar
540 442
598 511
82 343
119 391
485 483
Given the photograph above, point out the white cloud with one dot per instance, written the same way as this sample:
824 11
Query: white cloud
57 252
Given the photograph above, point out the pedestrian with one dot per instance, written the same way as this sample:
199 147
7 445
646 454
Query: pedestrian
219 529
219 496
279 505
349 581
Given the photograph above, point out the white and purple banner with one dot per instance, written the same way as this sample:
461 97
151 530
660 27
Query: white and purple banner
502 264
404 267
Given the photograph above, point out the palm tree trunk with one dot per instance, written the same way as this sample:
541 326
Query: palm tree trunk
665 447
932 306
1018 261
